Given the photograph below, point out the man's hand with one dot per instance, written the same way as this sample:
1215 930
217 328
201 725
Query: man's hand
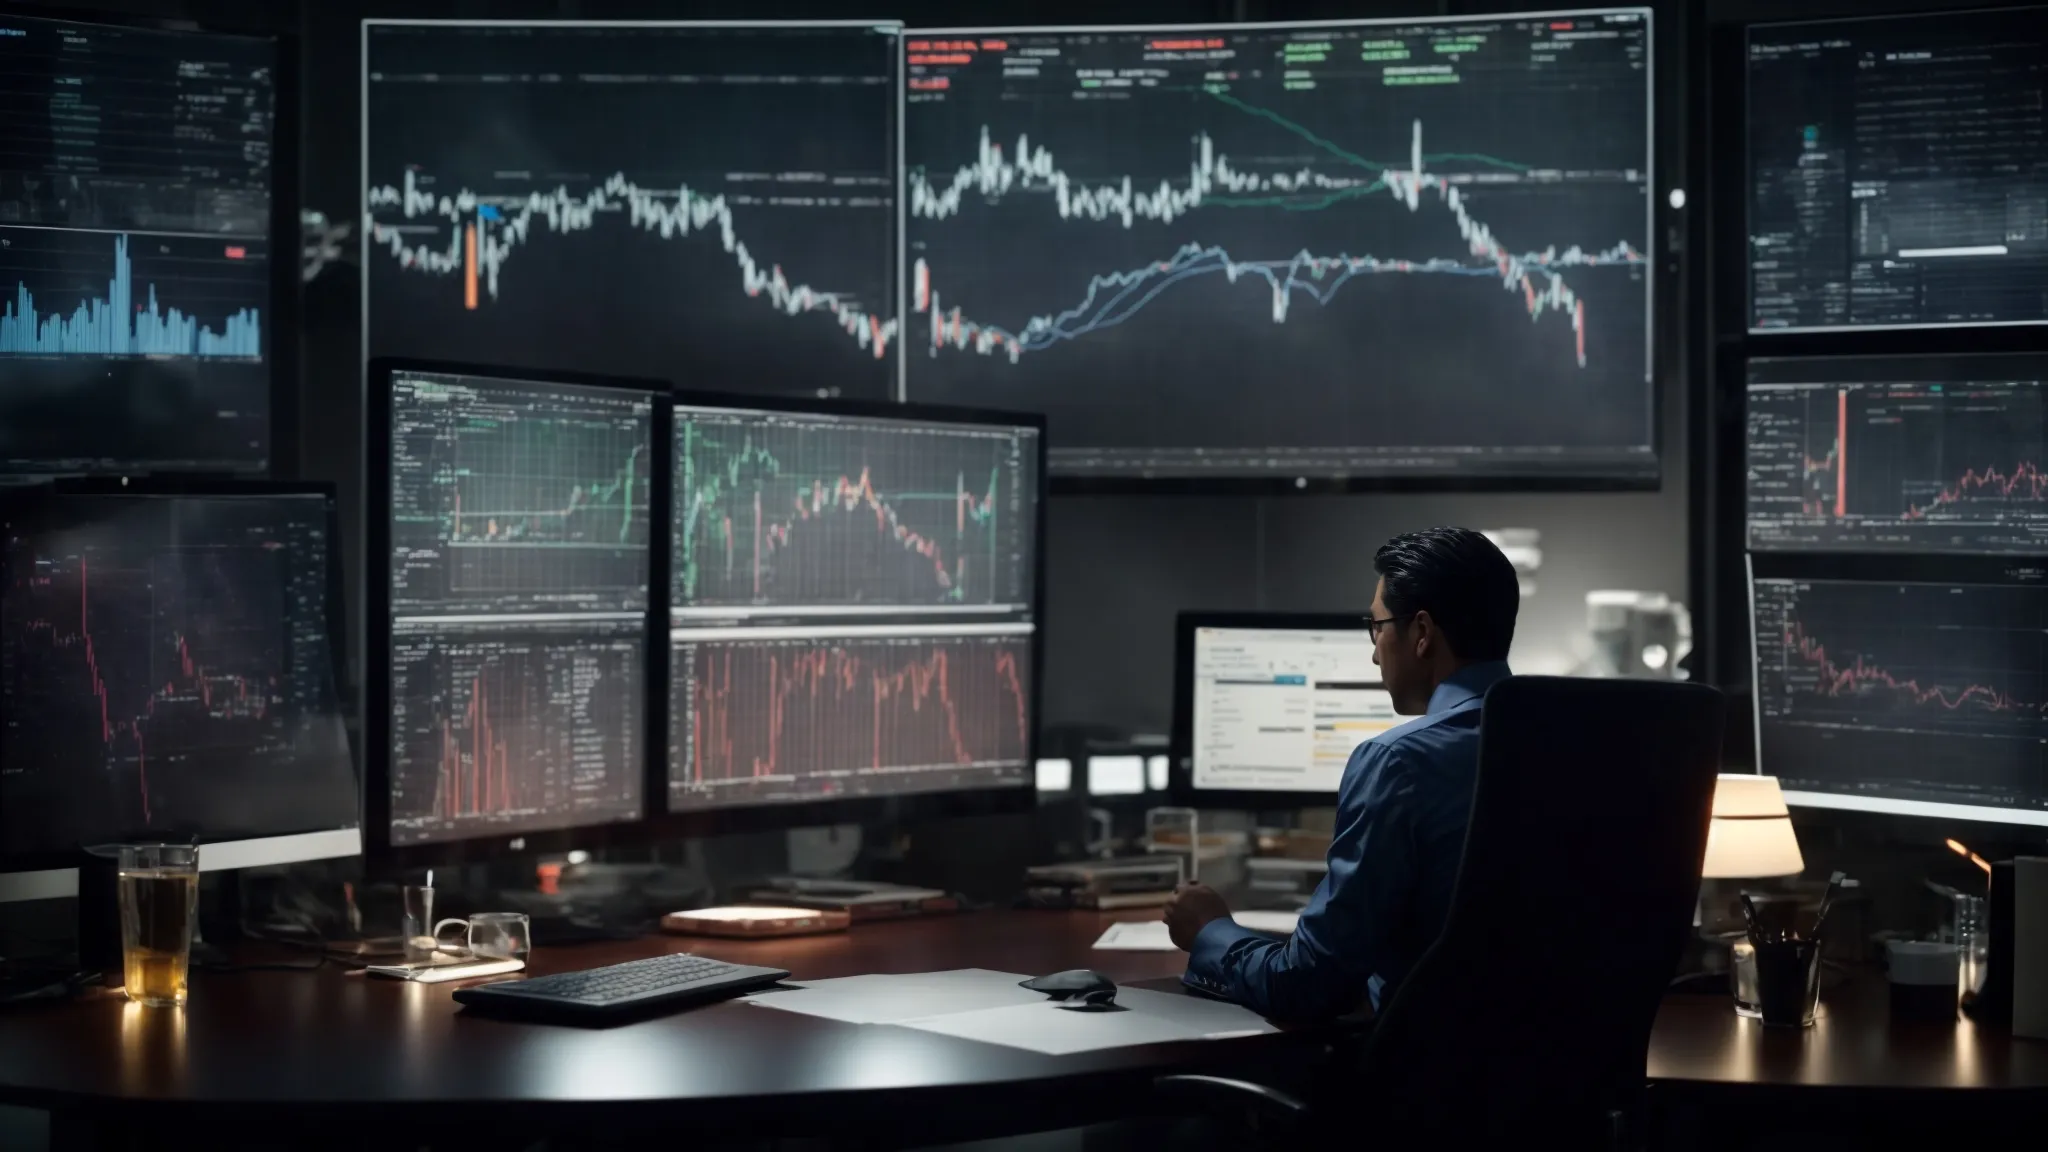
1192 908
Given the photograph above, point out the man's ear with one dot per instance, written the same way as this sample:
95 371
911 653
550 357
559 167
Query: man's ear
1425 635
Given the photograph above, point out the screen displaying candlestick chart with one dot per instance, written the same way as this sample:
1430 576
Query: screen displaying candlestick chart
805 510
780 715
510 496
520 729
135 273
1913 453
1881 694
1370 248
631 197
166 668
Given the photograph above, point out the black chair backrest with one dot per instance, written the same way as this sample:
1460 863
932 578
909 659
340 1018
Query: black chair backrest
1531 1014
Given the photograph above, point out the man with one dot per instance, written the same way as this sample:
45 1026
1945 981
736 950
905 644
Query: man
1442 618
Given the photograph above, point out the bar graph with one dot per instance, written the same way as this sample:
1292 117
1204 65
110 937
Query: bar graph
60 307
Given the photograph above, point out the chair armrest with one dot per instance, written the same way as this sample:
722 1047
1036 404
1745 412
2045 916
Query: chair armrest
1216 1092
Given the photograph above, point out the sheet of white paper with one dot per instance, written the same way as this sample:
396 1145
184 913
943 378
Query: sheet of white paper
1281 922
1147 1018
883 999
1136 936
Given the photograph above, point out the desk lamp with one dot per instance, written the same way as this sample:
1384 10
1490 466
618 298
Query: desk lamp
1751 835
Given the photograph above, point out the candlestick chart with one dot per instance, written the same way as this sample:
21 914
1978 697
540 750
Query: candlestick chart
513 730
527 185
1249 251
797 510
1940 687
1949 461
157 661
510 495
788 718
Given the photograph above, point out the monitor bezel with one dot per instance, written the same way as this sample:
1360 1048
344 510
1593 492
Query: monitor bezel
381 856
1663 112
281 355
1180 764
42 875
1901 569
755 817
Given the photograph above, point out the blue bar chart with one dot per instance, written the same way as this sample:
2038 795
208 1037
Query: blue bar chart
60 308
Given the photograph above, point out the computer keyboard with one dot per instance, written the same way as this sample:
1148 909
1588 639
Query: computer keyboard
617 991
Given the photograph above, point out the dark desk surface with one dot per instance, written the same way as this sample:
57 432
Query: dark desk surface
333 1038
336 1039
1853 1044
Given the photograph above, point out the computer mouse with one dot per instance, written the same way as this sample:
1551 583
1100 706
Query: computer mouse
1092 987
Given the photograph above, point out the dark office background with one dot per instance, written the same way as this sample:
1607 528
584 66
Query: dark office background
1120 567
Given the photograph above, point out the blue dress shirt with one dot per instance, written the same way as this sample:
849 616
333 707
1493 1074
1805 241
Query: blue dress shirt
1402 808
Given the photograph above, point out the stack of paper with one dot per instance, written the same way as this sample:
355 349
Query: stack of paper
976 1004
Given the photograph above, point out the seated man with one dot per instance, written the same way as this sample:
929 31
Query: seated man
1442 618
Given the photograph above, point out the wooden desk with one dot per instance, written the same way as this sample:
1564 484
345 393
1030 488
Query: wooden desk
1855 1078
306 1049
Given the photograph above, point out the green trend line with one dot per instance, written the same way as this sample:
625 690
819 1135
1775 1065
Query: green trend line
724 480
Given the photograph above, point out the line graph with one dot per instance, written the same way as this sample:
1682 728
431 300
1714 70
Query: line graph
1166 209
790 719
163 669
1913 691
484 233
1943 464
120 316
498 730
1965 659
608 197
508 495
786 510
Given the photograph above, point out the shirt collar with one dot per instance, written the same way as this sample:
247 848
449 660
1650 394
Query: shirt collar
1466 684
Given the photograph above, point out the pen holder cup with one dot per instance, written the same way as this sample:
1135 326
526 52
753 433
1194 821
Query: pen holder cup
1787 982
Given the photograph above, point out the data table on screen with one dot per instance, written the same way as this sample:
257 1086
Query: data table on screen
629 198
1369 248
135 248
1898 171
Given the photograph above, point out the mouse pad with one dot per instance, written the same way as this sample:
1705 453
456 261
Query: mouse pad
884 999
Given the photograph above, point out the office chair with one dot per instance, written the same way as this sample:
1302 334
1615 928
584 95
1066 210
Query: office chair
1528 1022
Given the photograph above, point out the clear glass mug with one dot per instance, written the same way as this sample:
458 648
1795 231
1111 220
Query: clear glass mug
159 899
493 935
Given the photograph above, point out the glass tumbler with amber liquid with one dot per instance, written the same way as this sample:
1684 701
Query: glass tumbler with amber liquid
159 896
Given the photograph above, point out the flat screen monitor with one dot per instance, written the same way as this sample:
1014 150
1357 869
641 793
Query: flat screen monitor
168 672
1268 706
512 515
1898 171
1910 685
624 197
137 323
855 609
1391 248
1900 454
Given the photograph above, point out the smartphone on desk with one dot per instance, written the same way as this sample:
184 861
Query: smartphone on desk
441 973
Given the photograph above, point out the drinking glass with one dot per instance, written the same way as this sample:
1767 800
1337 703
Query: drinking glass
159 898
416 923
494 935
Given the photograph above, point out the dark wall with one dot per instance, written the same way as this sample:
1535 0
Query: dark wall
1119 568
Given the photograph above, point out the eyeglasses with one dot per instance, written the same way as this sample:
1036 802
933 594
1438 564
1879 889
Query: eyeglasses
1373 626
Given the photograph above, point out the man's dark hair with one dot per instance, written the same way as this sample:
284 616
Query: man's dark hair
1457 576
